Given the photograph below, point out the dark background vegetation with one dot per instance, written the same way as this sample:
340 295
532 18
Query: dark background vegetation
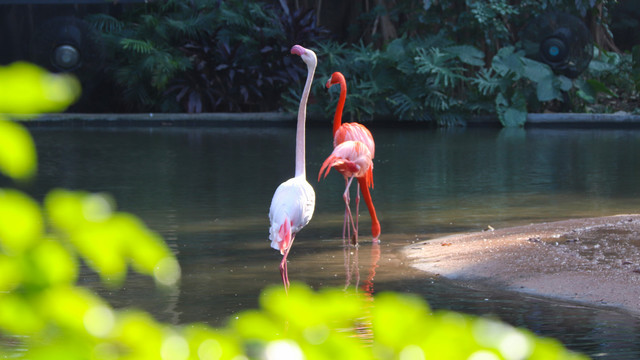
422 60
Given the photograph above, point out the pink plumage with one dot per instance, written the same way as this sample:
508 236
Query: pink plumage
342 133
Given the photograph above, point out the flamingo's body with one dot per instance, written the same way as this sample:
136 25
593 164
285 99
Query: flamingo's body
351 159
294 201
353 132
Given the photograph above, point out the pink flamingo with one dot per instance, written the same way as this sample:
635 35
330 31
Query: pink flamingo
348 131
353 160
355 132
294 201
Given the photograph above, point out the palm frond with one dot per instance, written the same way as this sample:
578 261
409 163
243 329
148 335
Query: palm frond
486 81
105 23
137 46
438 64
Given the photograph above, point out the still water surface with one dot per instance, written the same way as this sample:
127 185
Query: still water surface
208 190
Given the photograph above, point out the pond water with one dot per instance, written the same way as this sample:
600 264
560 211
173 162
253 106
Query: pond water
207 191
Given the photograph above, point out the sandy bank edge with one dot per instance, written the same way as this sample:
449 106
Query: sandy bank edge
592 260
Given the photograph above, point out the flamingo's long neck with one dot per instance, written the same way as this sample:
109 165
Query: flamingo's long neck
302 117
337 118
375 224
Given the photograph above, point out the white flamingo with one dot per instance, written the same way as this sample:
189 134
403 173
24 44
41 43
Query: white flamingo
294 200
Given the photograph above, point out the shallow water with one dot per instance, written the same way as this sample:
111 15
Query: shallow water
208 190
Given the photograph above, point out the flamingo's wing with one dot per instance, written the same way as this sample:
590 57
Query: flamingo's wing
355 132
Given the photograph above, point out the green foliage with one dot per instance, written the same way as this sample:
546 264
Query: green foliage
611 77
411 79
205 56
145 55
41 308
493 18
200 56
26 90
432 79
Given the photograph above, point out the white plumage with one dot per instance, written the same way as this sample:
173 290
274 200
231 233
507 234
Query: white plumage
293 201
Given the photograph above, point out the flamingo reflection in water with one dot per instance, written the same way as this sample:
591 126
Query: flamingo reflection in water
352 270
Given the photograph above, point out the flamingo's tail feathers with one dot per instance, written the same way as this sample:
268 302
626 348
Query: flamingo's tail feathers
344 166
326 165
281 236
284 235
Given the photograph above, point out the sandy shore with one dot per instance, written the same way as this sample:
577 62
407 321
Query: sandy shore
594 260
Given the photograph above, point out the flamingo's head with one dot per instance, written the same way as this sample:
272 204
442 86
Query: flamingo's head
336 78
308 56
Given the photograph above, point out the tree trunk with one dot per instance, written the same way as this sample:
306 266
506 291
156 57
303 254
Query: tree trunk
601 35
388 29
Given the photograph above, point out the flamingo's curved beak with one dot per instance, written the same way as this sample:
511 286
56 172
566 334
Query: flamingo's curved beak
329 83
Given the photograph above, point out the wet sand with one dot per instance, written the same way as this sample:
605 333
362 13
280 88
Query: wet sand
593 260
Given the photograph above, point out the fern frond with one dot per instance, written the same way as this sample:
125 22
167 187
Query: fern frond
438 64
105 23
190 27
486 81
137 46
438 101
401 104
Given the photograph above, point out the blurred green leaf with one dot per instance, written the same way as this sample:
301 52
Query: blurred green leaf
599 87
585 91
109 240
69 307
19 316
21 224
52 264
11 275
396 329
512 113
27 89
546 88
17 153
507 60
536 71
139 336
